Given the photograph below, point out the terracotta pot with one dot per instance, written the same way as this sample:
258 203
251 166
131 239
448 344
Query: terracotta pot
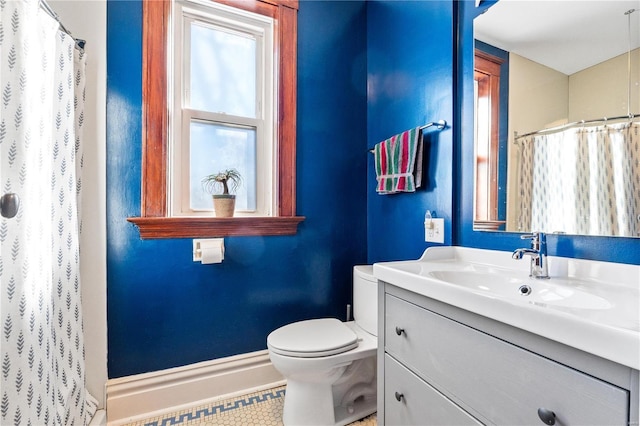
224 205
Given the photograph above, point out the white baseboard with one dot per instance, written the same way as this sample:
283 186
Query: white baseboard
148 395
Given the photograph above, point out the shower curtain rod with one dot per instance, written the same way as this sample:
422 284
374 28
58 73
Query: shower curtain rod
574 124
45 6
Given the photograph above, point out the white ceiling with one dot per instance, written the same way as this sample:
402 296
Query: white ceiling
566 35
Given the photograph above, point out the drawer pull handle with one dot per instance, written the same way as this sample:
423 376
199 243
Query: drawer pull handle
399 331
548 417
399 396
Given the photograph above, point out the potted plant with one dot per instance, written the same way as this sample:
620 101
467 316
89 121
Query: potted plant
226 181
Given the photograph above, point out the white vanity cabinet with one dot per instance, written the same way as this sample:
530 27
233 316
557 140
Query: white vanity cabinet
441 365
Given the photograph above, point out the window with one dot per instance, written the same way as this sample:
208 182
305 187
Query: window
223 106
487 123
264 39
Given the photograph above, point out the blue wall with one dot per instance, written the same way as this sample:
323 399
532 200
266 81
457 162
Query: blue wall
164 310
612 249
410 78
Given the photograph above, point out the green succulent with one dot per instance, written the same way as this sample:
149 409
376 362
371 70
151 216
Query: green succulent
226 181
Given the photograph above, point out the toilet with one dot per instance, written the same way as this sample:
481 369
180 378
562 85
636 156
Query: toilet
329 365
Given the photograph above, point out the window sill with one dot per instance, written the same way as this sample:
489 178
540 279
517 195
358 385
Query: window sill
489 225
200 227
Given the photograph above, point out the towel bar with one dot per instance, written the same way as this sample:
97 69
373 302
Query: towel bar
440 124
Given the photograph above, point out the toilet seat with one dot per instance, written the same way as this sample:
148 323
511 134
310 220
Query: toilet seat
312 338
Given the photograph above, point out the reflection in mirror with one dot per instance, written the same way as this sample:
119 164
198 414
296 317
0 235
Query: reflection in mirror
563 162
488 84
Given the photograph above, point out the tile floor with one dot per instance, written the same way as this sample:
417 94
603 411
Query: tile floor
262 408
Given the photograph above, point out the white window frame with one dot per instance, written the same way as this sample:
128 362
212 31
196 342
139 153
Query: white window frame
234 20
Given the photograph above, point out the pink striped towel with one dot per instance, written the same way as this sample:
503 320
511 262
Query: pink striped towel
399 162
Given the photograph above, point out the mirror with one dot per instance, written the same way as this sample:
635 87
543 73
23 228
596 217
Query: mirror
551 64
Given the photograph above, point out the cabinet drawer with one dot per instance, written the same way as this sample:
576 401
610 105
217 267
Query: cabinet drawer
420 404
493 380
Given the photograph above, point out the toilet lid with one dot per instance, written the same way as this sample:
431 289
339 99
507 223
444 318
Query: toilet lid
312 338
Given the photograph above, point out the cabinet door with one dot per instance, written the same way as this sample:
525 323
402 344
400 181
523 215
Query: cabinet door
493 380
411 401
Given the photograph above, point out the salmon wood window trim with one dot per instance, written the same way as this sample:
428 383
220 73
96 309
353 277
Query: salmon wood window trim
154 220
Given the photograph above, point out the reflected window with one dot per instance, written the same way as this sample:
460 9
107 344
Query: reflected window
487 130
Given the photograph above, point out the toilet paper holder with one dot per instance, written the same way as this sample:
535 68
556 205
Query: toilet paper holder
209 250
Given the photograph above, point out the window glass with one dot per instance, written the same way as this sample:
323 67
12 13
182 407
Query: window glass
223 70
216 147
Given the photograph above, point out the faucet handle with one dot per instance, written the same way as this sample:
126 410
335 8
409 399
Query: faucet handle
534 240
538 240
533 236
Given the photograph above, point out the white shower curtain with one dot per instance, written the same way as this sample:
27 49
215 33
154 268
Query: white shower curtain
41 101
581 181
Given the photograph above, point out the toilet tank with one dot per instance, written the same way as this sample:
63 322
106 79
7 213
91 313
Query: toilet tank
365 298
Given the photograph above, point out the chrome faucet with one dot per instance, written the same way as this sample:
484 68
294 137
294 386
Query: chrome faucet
538 253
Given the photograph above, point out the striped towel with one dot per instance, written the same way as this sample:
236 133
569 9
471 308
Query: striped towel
399 162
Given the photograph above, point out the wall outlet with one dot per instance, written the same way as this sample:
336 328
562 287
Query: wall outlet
434 230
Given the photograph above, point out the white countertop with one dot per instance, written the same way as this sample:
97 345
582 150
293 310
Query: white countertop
600 313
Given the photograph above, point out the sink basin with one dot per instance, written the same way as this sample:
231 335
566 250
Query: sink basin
590 305
496 283
563 293
566 297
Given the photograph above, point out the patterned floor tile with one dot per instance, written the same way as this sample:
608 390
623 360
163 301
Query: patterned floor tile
256 409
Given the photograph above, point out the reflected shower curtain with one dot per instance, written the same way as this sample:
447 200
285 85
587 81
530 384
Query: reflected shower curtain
581 181
42 345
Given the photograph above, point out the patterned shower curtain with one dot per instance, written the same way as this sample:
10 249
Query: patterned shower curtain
581 181
41 101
